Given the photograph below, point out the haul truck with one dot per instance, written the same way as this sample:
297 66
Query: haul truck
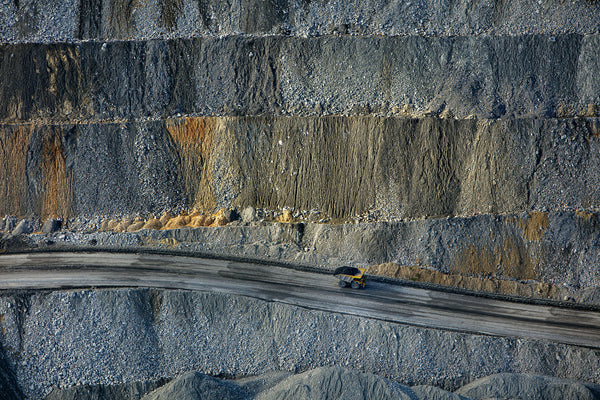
350 276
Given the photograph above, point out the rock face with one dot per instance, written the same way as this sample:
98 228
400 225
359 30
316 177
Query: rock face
468 129
464 77
128 335
344 166
383 110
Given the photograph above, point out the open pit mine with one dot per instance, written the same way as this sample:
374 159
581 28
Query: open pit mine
180 179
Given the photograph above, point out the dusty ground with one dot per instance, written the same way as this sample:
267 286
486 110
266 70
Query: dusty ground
530 289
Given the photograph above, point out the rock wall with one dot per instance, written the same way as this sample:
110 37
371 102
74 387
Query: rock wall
376 110
472 76
114 336
468 129
409 109
344 166
31 21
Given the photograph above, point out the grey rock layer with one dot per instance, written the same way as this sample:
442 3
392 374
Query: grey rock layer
486 76
9 385
24 227
116 336
337 383
8 223
31 21
52 225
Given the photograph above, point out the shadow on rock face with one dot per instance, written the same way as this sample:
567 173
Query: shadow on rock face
10 243
9 388
124 391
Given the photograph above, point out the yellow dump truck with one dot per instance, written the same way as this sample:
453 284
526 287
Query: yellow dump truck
350 276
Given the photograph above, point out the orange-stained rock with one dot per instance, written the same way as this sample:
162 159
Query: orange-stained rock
136 226
209 220
112 224
123 225
285 216
165 218
195 213
198 221
220 218
177 222
153 223
104 225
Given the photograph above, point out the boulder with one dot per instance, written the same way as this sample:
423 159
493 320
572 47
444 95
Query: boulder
123 225
112 224
230 214
104 225
165 218
24 227
153 223
9 223
198 221
525 386
177 222
285 217
248 214
52 225
135 226
197 386
221 218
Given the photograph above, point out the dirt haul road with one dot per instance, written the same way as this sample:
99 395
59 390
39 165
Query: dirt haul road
318 291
